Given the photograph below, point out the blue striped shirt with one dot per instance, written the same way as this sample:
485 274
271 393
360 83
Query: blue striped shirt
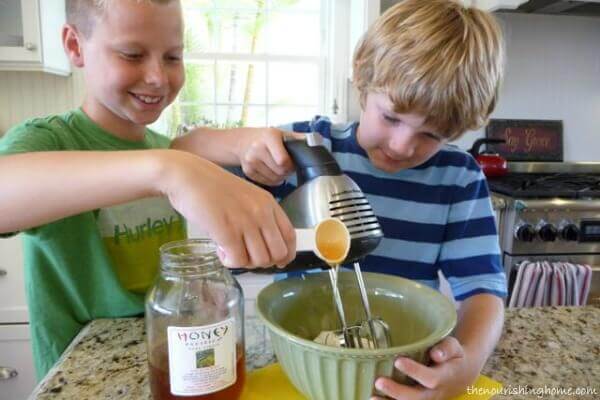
437 216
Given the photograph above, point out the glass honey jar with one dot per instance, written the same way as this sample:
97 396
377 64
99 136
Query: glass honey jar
194 326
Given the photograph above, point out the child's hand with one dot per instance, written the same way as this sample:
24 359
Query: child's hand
263 156
448 377
244 220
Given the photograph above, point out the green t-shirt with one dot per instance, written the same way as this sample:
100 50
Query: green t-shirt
97 264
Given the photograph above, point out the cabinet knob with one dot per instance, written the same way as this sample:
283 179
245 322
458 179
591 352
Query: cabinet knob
3 272
30 46
7 373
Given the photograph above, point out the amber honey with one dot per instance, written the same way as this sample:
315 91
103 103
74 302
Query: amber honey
332 250
332 240
161 387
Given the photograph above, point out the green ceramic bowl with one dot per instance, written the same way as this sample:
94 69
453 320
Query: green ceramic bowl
296 310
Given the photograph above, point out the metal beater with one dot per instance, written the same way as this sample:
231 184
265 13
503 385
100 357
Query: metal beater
371 333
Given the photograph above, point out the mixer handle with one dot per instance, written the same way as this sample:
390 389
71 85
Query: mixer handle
311 161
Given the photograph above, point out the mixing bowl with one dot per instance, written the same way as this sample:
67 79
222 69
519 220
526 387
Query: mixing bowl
296 310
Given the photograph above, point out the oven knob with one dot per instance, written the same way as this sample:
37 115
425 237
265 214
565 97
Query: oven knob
525 233
548 233
570 233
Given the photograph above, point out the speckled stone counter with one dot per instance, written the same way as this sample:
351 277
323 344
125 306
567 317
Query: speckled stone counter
554 348
107 360
541 347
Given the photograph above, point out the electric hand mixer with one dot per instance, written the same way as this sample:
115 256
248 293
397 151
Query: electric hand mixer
323 192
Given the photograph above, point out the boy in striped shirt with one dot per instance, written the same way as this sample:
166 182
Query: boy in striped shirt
426 71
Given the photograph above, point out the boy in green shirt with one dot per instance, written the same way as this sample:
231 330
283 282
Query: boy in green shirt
95 192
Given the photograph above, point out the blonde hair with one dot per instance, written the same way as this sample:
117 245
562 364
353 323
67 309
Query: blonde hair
82 13
436 58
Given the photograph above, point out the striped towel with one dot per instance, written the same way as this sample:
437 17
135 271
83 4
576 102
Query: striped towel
544 283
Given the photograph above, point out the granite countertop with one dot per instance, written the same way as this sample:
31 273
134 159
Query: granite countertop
552 347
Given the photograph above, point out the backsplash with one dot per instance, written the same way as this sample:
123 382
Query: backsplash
25 95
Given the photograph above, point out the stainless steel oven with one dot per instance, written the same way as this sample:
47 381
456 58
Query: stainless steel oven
549 212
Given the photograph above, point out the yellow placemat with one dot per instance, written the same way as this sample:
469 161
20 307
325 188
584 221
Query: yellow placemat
270 383
483 389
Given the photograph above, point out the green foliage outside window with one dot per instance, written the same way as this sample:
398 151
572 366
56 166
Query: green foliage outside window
236 27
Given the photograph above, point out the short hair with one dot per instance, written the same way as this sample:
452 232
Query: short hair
83 13
437 58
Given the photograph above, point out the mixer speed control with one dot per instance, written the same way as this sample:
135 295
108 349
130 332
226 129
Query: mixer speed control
525 232
548 232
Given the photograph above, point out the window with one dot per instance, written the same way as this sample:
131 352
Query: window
252 63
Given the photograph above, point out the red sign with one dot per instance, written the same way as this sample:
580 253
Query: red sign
527 140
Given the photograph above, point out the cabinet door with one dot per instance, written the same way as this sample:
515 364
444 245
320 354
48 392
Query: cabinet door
17 372
19 31
13 307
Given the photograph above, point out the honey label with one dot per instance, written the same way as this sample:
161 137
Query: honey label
202 359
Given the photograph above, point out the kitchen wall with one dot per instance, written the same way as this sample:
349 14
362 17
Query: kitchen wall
30 94
553 72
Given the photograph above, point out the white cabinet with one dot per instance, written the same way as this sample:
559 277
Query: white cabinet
17 373
30 36
13 307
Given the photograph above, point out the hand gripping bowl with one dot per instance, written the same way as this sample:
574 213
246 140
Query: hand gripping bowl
296 310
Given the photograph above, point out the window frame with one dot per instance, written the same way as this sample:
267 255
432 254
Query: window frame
325 62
